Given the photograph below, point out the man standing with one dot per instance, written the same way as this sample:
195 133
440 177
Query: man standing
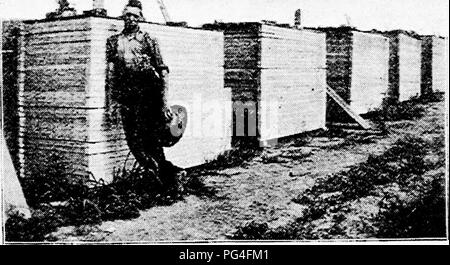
136 81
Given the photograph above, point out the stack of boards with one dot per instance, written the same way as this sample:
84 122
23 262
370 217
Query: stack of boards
278 74
357 69
404 65
273 85
64 121
434 64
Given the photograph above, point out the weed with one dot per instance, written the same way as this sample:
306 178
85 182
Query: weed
331 195
251 231
232 158
407 110
332 132
396 111
423 215
432 97
89 201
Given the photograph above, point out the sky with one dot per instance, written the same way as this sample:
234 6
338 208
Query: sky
422 16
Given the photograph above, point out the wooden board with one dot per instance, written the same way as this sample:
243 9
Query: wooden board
341 102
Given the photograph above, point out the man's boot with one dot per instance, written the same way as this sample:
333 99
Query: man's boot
181 180
175 177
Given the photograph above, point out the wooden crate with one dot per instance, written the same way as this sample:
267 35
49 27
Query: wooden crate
357 69
62 96
278 74
434 64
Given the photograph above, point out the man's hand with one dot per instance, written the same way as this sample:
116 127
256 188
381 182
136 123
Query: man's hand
164 73
157 76
168 115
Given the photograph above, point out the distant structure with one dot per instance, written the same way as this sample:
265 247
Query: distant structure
98 9
64 10
348 19
298 19
164 11
434 64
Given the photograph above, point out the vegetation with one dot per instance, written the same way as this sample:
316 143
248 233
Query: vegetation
62 201
414 108
235 157
409 187
415 209
411 199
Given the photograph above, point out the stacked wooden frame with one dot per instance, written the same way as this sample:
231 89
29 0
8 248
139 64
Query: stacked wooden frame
62 97
405 62
278 75
434 64
357 69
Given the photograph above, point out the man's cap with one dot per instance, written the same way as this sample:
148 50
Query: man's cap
135 3
134 7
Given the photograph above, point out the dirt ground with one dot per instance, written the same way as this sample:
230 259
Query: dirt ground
259 190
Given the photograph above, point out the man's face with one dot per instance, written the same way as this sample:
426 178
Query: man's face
131 21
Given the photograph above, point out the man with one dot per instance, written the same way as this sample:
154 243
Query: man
136 82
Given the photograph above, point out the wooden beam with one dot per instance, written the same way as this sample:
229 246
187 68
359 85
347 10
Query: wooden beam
341 102
164 11
2 215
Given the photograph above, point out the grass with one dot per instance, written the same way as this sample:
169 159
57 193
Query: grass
232 158
90 201
411 109
404 165
135 190
396 111
421 216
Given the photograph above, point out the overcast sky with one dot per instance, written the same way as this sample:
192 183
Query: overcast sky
422 16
